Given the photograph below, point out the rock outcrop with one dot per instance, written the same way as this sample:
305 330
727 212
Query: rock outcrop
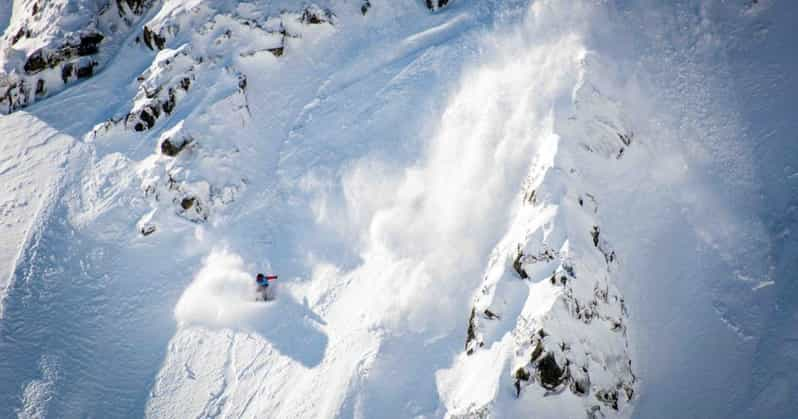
52 44
570 334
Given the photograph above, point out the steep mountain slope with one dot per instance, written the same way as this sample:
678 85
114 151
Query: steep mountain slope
477 209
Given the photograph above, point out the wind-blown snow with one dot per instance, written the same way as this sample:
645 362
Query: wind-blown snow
221 295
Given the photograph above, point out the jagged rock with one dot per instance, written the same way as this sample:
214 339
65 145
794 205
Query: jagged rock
580 381
549 373
436 4
172 148
86 70
529 197
187 203
62 44
537 352
40 90
67 72
153 40
36 62
137 7
490 315
314 15
277 52
626 139
364 8
143 119
521 374
472 334
161 87
519 266
608 397
192 209
595 413
147 230
89 43
14 39
595 235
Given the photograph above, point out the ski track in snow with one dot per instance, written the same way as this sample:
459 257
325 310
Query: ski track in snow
368 199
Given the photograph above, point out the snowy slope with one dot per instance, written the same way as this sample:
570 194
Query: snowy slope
34 160
476 209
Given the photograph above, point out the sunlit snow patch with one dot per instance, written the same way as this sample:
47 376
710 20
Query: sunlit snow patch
221 295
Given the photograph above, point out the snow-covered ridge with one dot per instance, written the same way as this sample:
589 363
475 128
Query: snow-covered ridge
49 44
467 203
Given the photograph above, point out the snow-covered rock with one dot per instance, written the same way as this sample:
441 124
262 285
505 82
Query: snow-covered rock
51 43
477 209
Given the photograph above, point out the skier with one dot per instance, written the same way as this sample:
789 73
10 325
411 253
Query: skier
265 294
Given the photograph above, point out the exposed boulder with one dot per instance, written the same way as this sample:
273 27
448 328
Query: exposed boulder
521 374
172 147
40 89
549 373
86 69
36 62
148 229
161 87
519 266
436 4
187 203
277 51
471 339
608 397
152 39
580 381
314 15
594 234
89 43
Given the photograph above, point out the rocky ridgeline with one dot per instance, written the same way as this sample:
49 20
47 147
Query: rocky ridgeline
569 330
199 46
55 43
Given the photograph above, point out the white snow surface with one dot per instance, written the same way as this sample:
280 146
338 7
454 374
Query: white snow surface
389 167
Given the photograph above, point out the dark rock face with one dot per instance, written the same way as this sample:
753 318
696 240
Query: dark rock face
436 4
41 59
608 397
86 70
580 382
471 333
36 62
519 266
135 6
40 90
172 148
550 374
67 71
89 44
153 40
315 16
187 203
595 235
521 374
72 54
149 115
